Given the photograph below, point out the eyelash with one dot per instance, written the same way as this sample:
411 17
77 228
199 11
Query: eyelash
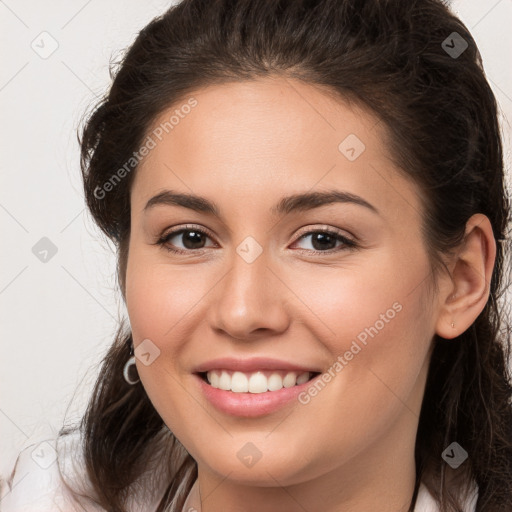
347 243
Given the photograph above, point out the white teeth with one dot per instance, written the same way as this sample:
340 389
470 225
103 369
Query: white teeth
303 377
290 380
255 382
214 379
274 382
239 383
224 381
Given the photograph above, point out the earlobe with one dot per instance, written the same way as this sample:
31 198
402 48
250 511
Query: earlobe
471 274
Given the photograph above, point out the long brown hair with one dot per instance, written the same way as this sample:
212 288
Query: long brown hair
441 119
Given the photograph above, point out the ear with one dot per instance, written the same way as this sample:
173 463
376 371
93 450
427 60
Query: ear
465 298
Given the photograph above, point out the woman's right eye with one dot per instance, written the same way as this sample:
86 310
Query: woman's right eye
189 236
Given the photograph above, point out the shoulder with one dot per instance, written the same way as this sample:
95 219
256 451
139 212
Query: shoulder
36 482
425 502
50 475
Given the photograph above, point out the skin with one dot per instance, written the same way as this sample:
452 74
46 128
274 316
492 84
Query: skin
244 146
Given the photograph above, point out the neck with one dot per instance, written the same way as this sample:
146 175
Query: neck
380 478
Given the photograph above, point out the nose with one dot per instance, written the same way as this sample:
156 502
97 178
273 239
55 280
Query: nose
250 301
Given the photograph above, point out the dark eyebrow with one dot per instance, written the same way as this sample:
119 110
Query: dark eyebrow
286 205
310 200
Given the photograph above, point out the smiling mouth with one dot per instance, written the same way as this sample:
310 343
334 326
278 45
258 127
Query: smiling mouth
255 382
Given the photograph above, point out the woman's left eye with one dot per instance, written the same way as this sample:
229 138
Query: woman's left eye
193 238
324 239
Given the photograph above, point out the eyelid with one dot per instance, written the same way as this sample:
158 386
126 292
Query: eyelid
330 229
177 229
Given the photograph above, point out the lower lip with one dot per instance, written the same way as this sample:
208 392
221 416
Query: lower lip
250 405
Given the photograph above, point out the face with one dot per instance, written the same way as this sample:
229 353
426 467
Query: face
335 288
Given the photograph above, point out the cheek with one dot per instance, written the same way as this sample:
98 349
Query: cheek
379 297
376 326
159 296
160 300
378 336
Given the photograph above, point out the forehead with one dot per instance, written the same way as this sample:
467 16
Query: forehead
252 142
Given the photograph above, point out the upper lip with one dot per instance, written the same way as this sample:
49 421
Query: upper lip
252 364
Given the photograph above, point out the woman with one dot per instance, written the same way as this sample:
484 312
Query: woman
308 203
